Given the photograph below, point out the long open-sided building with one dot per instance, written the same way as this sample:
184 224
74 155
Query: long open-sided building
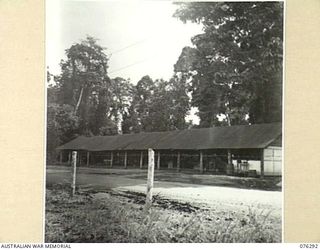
244 149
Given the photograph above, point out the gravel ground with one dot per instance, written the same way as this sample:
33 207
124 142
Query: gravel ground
214 197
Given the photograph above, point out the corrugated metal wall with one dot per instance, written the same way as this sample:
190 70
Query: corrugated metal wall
273 160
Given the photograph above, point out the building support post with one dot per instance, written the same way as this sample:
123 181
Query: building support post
262 164
141 159
69 158
78 158
111 159
230 165
229 157
125 159
60 157
88 158
158 162
201 162
178 162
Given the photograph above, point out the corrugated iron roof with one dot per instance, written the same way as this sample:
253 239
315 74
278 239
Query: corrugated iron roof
232 137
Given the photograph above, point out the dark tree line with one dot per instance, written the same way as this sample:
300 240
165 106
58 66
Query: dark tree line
233 74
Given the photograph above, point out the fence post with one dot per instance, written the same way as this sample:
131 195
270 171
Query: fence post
150 177
74 165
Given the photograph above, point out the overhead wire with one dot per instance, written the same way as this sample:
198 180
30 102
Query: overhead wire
128 46
130 65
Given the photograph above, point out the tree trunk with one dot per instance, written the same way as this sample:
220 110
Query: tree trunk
228 112
79 101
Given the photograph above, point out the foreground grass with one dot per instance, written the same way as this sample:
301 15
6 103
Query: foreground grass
109 217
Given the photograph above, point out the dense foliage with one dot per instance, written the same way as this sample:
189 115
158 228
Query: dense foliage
83 100
235 65
157 106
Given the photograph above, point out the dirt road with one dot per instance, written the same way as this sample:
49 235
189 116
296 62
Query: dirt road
204 195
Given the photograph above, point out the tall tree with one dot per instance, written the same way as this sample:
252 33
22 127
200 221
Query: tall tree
134 119
121 99
178 102
85 86
82 100
236 63
156 106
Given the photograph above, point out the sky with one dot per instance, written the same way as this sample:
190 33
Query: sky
141 37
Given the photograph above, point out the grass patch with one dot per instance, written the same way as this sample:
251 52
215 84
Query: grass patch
115 217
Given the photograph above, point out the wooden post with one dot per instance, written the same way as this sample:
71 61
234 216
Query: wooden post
60 157
79 158
88 158
111 160
69 158
262 164
230 169
229 157
158 162
74 165
150 177
178 161
141 159
201 162
273 161
125 159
